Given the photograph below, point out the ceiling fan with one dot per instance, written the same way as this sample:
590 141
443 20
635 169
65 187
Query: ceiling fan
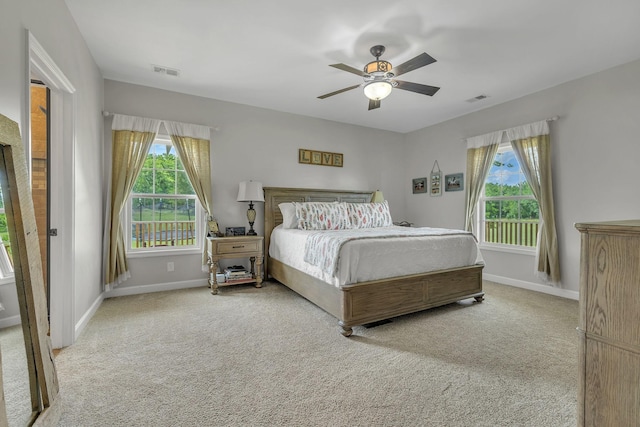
379 77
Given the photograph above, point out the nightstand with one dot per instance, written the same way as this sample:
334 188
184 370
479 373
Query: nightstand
251 247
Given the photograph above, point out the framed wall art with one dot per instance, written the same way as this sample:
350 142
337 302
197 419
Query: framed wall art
436 180
454 182
419 185
327 159
322 158
304 156
316 158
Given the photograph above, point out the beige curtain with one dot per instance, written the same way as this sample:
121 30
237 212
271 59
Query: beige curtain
481 150
532 146
131 140
193 144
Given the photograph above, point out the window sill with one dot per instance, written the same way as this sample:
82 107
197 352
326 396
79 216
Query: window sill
161 253
508 249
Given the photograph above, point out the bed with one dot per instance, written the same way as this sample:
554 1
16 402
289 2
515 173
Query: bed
369 301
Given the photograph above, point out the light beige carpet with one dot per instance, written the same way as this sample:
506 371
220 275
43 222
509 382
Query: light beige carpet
15 376
267 357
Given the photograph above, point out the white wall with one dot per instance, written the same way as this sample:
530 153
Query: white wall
596 147
262 145
51 24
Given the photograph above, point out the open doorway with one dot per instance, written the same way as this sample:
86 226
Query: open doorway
60 117
39 155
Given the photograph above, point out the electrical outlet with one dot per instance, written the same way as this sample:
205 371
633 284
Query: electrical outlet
170 266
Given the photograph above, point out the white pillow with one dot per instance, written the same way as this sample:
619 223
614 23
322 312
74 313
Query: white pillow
289 218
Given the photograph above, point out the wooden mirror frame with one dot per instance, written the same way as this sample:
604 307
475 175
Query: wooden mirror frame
25 248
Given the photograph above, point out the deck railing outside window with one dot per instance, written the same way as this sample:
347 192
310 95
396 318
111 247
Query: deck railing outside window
169 233
511 232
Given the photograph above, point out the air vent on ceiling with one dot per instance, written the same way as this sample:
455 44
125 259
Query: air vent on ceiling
166 70
477 98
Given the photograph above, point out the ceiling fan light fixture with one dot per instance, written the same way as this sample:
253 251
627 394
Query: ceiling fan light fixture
377 90
377 68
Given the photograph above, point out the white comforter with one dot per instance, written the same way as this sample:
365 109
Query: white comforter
380 258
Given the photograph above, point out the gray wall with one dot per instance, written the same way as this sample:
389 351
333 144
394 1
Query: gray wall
594 148
595 155
262 145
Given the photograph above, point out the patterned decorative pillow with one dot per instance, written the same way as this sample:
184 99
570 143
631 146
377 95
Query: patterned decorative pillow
322 216
369 215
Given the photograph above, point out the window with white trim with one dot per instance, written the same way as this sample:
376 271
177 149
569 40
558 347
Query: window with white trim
163 212
6 260
508 213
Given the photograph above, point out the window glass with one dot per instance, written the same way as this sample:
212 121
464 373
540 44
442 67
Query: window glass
508 212
163 208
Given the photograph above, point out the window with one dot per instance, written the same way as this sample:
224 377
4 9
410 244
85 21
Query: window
6 261
508 211
163 210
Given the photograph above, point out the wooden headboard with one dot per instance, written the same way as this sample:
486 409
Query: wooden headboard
273 196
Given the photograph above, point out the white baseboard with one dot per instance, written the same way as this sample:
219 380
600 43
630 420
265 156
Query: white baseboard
9 321
145 289
574 295
84 320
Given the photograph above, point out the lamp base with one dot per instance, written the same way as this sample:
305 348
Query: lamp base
251 217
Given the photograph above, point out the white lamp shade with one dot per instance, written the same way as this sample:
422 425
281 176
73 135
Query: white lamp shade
250 191
377 90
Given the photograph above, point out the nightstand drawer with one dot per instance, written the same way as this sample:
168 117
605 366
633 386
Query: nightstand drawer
238 247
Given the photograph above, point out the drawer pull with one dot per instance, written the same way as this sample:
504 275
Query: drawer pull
238 247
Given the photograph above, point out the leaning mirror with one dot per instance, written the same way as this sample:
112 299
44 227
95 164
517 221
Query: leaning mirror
25 249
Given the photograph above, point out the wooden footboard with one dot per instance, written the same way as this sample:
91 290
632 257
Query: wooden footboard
381 299
368 302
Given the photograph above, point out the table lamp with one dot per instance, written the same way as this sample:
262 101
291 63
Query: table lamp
377 197
250 191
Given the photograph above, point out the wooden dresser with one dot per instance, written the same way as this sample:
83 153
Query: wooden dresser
609 329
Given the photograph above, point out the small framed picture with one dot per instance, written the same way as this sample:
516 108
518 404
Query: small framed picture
316 158
327 159
337 159
213 227
436 185
234 231
419 185
454 182
304 156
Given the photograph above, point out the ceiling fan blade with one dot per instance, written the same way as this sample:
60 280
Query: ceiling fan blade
373 104
348 68
412 64
417 87
326 95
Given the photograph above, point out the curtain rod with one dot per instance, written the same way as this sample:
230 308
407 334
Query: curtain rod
213 128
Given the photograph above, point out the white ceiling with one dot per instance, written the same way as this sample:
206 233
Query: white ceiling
275 54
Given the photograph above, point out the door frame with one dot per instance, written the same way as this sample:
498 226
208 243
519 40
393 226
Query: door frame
61 184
